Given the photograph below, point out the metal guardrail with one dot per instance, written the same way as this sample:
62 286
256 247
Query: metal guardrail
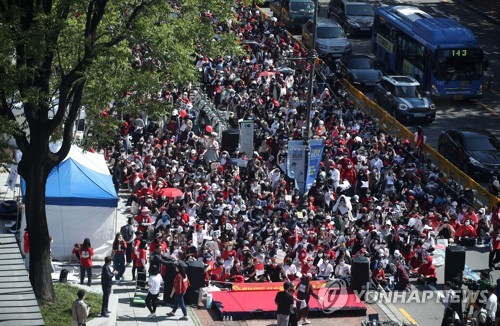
482 197
391 126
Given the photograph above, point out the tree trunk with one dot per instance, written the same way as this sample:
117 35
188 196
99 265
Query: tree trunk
35 176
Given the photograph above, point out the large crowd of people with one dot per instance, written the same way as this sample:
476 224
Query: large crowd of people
374 196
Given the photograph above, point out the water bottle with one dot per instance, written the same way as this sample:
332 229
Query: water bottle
209 301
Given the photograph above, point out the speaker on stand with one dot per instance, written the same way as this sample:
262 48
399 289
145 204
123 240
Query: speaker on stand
196 276
169 281
360 273
230 140
454 264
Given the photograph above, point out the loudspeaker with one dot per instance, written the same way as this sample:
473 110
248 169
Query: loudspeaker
168 280
230 140
454 263
196 276
360 273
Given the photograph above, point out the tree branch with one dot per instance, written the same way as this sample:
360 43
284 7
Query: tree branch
68 124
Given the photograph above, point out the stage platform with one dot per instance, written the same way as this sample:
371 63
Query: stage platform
256 301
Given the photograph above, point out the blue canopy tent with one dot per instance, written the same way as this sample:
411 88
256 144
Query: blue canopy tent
81 202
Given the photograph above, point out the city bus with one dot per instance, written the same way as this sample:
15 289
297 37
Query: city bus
440 53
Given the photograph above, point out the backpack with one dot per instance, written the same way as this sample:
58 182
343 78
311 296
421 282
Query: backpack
63 276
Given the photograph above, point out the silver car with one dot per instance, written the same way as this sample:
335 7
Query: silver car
331 41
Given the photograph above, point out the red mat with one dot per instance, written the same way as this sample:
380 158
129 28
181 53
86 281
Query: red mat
235 303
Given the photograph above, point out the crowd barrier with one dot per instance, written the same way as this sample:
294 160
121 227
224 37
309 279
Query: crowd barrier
482 197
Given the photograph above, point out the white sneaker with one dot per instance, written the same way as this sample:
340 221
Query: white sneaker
306 322
152 315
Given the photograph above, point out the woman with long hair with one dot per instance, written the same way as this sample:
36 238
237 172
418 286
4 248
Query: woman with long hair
86 252
181 284
119 248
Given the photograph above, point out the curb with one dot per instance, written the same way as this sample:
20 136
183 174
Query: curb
111 320
465 3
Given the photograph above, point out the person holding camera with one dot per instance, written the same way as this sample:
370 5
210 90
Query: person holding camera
79 310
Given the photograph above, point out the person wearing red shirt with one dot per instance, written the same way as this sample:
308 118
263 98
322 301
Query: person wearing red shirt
228 252
494 256
378 277
466 234
158 242
26 249
307 267
143 220
181 284
135 249
140 263
427 271
86 252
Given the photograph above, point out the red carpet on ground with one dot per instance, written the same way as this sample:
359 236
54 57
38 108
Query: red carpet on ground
259 304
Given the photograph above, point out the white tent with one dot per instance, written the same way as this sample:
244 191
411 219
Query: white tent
81 202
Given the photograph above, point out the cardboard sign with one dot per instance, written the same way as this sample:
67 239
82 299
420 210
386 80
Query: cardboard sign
280 255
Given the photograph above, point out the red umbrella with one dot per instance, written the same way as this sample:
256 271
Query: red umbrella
266 73
170 192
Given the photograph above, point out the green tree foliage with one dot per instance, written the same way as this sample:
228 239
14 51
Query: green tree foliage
57 56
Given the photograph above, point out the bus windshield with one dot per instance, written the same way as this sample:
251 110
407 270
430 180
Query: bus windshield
459 64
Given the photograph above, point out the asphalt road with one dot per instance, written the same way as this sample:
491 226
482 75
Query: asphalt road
483 113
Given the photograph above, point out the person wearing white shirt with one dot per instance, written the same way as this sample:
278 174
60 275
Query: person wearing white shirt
325 270
491 306
155 282
290 270
376 162
342 270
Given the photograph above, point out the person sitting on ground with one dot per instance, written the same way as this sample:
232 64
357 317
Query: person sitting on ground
342 270
401 277
427 271
378 277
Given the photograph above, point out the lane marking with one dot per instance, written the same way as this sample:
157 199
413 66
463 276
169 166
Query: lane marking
492 111
408 317
494 92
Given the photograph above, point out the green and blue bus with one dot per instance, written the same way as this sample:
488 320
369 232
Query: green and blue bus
440 53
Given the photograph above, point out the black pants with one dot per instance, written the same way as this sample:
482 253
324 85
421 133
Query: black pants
106 291
128 252
87 270
151 302
493 258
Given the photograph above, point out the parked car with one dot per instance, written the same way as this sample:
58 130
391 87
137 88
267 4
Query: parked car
402 97
360 70
475 151
331 41
356 17
294 13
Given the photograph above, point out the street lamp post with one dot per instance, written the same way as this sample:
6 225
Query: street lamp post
312 60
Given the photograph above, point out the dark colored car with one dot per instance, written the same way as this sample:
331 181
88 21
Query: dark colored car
402 97
474 151
360 70
356 17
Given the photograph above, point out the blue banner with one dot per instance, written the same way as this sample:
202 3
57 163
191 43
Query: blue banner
316 147
295 163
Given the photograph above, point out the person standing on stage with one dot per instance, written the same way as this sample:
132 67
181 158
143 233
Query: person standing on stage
304 292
